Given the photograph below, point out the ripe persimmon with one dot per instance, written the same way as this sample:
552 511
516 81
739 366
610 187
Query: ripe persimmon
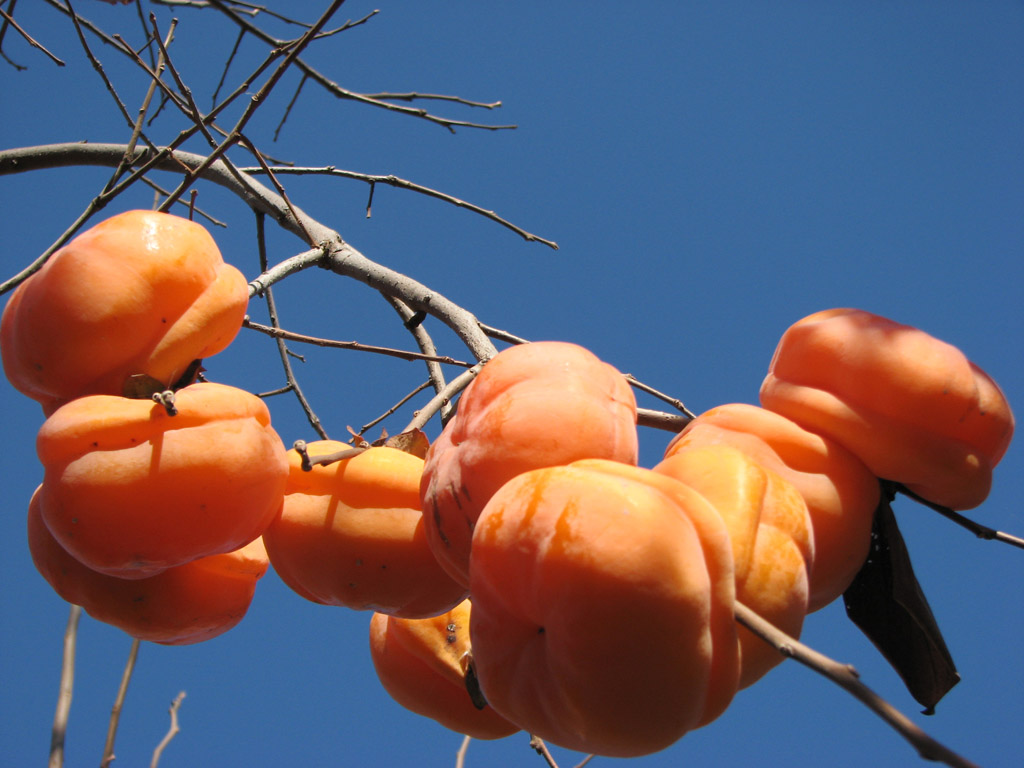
535 405
139 293
913 408
130 490
840 492
772 544
185 604
423 663
351 533
603 598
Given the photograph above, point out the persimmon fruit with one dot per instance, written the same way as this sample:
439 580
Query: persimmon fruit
182 605
841 493
351 534
603 602
913 408
535 405
423 663
130 490
139 293
772 545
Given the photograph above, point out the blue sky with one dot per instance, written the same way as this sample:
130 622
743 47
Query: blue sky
712 173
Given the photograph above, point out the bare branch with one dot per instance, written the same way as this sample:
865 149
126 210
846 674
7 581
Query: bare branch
280 333
282 348
67 685
979 530
339 256
434 97
395 181
673 401
442 398
845 676
171 732
115 712
9 20
342 93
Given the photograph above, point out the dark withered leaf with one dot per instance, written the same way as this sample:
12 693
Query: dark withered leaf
141 386
414 441
886 602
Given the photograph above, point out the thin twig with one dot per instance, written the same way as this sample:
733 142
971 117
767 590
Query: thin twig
460 756
67 685
342 93
282 347
537 745
673 401
390 411
171 732
3 34
395 181
456 385
280 333
115 712
979 530
8 19
413 322
434 97
846 677
669 422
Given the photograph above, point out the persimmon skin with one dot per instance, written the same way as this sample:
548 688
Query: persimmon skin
186 604
772 544
534 405
422 664
351 534
841 493
139 293
130 491
913 408
603 607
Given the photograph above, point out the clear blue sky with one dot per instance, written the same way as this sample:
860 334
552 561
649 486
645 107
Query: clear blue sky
712 173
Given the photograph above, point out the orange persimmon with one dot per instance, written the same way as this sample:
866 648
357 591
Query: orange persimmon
772 545
422 664
535 405
139 293
840 492
351 533
130 490
185 604
913 408
603 602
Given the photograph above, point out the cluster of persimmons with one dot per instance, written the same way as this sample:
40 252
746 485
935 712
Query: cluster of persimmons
525 575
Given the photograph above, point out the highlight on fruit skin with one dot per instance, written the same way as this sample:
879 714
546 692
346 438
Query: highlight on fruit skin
772 543
913 408
534 405
139 293
603 602
422 664
351 534
186 604
130 490
841 493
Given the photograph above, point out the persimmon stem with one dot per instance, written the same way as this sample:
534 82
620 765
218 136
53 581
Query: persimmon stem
67 683
166 399
979 530
847 677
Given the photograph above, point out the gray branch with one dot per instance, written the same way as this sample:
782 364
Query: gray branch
336 254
